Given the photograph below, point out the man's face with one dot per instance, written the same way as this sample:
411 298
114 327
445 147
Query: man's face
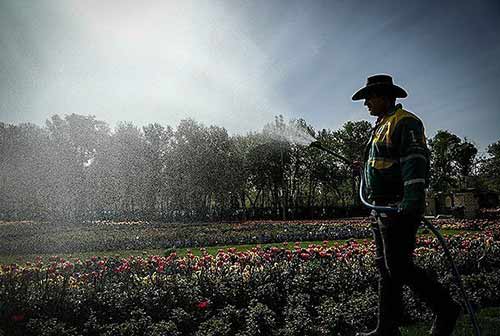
376 105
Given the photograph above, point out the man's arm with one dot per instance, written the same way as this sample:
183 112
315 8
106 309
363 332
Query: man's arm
414 160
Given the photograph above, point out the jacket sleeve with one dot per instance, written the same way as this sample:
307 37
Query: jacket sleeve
414 162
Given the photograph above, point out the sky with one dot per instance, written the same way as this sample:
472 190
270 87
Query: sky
237 64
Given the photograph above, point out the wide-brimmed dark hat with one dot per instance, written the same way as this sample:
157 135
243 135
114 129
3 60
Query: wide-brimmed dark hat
380 84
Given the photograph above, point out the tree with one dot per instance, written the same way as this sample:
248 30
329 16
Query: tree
266 161
130 165
77 168
452 161
278 143
464 157
74 142
351 139
350 142
23 170
443 147
489 168
157 144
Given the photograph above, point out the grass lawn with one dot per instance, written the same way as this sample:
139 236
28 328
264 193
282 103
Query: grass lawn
20 258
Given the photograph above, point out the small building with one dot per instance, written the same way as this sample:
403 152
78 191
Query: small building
468 201
439 203
463 203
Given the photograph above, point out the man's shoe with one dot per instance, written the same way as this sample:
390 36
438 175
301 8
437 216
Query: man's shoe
444 323
376 332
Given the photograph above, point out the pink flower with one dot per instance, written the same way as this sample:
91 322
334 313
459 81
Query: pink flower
202 304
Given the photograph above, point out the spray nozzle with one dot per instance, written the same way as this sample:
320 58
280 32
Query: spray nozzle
319 145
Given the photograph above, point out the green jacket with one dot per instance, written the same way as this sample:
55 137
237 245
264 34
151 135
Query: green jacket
397 162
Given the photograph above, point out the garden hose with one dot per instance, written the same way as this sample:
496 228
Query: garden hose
427 223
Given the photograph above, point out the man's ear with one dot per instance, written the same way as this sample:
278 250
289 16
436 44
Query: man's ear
390 101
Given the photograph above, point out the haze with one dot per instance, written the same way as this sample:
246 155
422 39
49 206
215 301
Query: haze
237 64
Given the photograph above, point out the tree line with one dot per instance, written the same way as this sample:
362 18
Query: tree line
78 168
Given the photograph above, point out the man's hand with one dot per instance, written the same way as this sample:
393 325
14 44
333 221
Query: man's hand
412 207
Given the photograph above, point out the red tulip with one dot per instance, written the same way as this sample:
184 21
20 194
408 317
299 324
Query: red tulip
202 304
305 256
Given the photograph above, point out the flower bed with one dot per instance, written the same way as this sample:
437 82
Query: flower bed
319 290
34 237
466 224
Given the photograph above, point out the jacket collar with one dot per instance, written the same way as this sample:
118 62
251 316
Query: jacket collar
389 113
394 109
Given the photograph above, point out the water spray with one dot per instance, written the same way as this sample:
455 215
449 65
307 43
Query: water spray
427 223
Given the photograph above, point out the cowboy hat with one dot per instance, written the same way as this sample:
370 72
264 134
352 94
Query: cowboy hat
380 84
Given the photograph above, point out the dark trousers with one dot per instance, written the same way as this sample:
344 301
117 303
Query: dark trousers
395 237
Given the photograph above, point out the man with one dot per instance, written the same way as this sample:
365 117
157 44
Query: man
396 172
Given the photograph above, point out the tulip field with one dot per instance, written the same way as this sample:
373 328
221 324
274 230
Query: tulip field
328 288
